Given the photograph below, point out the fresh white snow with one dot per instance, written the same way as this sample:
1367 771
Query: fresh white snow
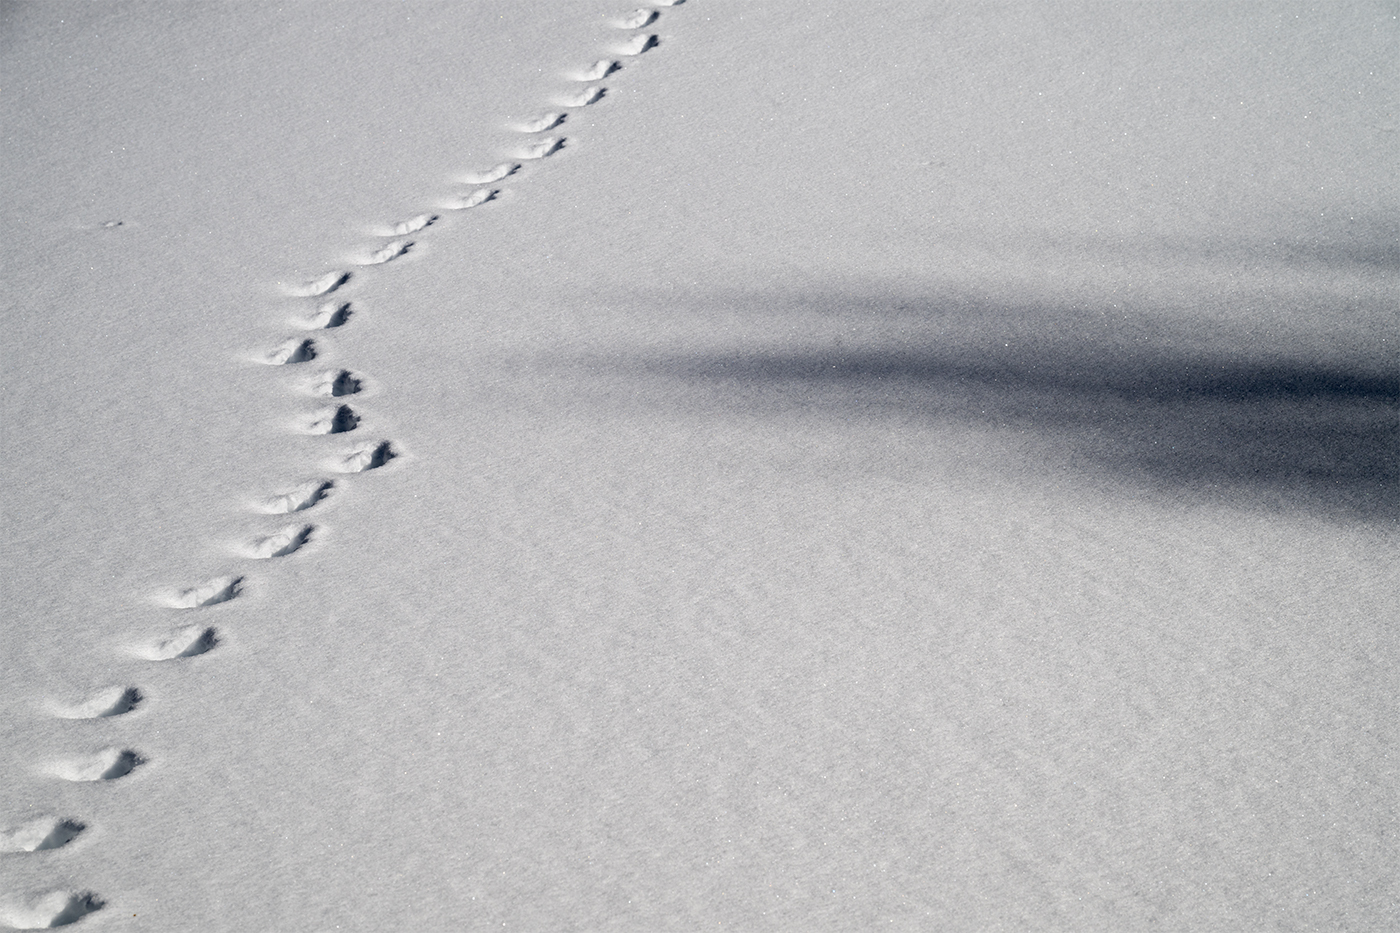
901 465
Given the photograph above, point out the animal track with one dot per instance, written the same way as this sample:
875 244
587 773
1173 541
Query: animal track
296 350
638 44
336 383
546 122
493 174
366 457
106 765
334 421
387 253
62 907
114 701
637 20
298 498
217 590
47 832
598 70
279 544
186 642
55 909
542 149
412 225
331 314
583 98
320 286
480 196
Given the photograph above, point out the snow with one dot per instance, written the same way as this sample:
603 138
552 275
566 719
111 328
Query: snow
928 466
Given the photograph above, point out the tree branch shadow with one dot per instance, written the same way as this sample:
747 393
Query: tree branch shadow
1252 428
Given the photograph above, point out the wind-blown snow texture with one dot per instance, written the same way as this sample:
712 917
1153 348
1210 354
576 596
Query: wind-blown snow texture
705 465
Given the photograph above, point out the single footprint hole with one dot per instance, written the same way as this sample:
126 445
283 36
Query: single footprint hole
39 835
337 383
583 98
388 253
598 70
542 149
637 19
412 225
106 765
368 457
63 832
187 642
78 907
335 421
280 544
330 314
323 285
547 121
217 590
491 175
295 350
118 765
114 701
480 196
638 44
298 498
55 909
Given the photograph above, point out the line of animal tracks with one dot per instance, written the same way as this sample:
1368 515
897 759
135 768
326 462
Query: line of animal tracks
185 621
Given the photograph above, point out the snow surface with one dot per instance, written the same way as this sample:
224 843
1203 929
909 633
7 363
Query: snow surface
908 465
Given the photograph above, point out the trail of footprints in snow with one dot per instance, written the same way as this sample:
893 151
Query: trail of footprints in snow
184 641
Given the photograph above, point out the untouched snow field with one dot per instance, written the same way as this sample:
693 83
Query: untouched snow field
871 465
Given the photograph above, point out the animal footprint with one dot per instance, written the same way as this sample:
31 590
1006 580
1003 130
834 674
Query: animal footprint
336 383
412 225
337 420
480 196
330 314
298 498
319 286
542 149
546 122
637 20
280 544
583 98
637 45
390 251
106 765
217 590
491 175
38 835
55 909
597 71
366 457
114 701
295 350
187 642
